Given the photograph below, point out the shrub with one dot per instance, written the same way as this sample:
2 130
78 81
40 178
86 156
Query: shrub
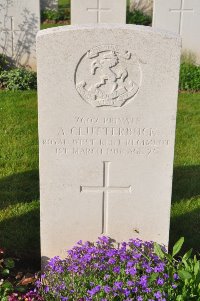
7 277
55 15
189 77
6 265
18 79
186 271
13 286
101 271
30 296
5 63
139 18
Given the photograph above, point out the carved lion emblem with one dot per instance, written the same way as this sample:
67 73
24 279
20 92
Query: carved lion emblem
107 76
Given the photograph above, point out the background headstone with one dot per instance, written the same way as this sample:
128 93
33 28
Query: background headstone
146 6
181 17
107 116
98 11
49 4
19 24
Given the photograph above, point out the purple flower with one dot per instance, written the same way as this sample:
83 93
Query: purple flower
112 261
107 289
116 269
175 276
95 270
158 295
118 284
132 271
95 290
160 281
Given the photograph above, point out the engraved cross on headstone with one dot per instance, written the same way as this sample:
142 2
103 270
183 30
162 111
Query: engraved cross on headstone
11 31
98 10
181 12
106 189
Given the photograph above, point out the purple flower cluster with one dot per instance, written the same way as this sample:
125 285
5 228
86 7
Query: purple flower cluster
30 296
104 271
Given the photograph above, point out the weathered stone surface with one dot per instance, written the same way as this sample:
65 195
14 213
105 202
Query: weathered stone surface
181 17
107 115
49 4
144 5
19 24
98 11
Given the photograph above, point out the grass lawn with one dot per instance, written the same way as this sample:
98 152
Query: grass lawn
185 215
19 183
45 26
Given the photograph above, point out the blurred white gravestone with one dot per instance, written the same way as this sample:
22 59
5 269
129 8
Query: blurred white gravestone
181 17
107 116
98 11
19 24
49 4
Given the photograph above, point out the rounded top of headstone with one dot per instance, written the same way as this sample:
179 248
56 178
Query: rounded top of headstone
129 27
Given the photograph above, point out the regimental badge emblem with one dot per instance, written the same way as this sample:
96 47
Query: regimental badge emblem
107 76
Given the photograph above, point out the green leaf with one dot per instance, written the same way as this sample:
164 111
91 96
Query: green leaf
158 250
21 289
177 247
7 286
153 277
187 255
9 263
184 275
168 256
196 268
5 272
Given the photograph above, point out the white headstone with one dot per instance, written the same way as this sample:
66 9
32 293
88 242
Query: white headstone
107 116
181 17
49 4
19 24
98 11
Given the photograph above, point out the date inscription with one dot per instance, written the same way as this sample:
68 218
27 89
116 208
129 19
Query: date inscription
92 136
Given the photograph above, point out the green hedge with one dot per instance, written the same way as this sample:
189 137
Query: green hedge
138 17
189 77
63 14
55 15
18 79
12 78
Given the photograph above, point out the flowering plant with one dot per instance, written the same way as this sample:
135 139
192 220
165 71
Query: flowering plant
12 286
102 271
6 266
30 296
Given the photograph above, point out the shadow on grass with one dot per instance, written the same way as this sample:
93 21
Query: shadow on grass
186 183
20 237
188 226
20 231
186 186
19 188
